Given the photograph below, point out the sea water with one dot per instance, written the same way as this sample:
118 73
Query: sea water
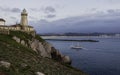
96 58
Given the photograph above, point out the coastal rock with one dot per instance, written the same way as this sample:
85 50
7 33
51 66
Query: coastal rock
34 44
5 64
22 42
44 49
16 39
66 59
39 48
56 54
48 48
23 65
39 73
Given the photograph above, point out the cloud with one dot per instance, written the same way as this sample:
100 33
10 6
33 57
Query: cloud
48 12
49 9
110 11
104 22
50 16
114 11
34 9
13 10
14 18
93 9
31 17
16 10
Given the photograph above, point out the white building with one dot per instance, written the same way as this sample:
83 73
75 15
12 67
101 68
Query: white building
2 21
23 26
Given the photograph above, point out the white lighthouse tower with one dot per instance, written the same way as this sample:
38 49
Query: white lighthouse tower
24 20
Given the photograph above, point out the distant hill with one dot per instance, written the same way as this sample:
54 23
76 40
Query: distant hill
20 55
78 34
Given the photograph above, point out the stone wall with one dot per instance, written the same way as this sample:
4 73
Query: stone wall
17 28
4 31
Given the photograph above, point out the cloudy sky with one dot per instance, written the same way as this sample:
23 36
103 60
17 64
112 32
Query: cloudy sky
65 15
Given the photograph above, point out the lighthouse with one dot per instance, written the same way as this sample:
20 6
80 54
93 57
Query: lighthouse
24 20
22 26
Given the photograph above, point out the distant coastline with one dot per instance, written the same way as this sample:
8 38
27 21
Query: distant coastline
80 34
87 37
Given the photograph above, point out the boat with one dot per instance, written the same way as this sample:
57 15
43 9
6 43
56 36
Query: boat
76 46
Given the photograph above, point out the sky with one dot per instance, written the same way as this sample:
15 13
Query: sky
49 16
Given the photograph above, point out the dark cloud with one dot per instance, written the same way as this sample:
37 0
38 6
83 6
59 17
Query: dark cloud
113 11
93 9
104 22
14 10
49 9
4 9
50 16
50 12
110 11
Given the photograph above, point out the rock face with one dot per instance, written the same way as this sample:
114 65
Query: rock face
39 73
16 39
66 59
5 64
39 48
44 49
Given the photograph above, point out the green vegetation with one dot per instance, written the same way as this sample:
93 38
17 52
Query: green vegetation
25 61
25 36
39 38
21 35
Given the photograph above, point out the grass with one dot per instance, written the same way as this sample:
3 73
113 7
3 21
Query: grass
39 38
25 36
19 56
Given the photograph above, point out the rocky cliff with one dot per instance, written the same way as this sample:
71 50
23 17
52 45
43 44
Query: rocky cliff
23 54
44 49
